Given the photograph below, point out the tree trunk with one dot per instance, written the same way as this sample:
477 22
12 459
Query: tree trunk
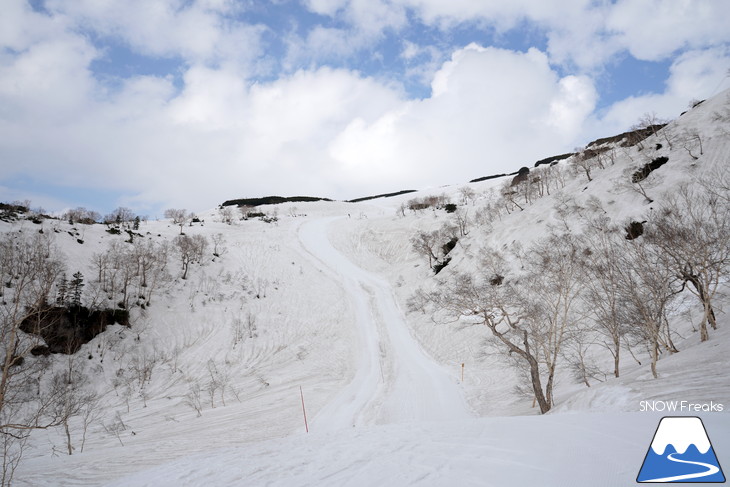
544 402
549 386
616 354
537 386
654 358
709 313
68 437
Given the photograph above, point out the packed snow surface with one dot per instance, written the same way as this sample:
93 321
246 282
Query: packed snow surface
395 380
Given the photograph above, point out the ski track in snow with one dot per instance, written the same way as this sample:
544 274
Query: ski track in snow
395 381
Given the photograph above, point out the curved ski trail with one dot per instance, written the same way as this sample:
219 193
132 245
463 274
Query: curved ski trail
395 381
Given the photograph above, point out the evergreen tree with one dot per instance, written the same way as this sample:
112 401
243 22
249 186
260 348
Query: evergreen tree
77 284
62 291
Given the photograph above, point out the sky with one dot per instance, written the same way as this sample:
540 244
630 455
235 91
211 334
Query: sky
154 104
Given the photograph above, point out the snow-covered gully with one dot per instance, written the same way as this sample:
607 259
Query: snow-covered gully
395 381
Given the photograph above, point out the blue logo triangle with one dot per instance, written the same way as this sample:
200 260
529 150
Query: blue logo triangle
680 451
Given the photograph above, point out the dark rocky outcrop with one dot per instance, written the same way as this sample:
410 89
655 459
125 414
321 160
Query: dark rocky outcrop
647 169
272 200
522 175
65 329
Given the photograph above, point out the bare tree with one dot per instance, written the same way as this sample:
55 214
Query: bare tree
190 250
121 215
251 325
219 382
543 177
530 314
142 365
528 189
691 231
504 314
607 157
602 284
176 215
219 247
647 294
192 398
81 215
585 161
629 182
578 355
509 197
237 328
29 266
226 214
692 141
158 275
133 271
717 184
179 217
648 124
12 446
468 195
70 399
89 414
245 211
669 134
652 122
552 292
426 244
461 217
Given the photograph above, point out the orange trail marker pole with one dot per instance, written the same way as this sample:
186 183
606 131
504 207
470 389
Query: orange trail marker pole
304 411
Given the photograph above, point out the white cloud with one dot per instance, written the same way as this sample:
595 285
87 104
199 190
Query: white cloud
374 16
693 75
328 132
579 38
410 50
362 23
654 29
583 33
365 16
219 137
421 61
323 131
211 100
38 200
198 31
21 27
491 111
572 105
323 43
325 7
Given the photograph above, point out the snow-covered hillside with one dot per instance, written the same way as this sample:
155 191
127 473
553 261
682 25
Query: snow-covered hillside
209 383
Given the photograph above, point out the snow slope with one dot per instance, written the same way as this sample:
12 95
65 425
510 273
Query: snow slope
395 381
327 287
575 450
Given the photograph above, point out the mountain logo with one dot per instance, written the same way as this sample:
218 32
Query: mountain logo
680 452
